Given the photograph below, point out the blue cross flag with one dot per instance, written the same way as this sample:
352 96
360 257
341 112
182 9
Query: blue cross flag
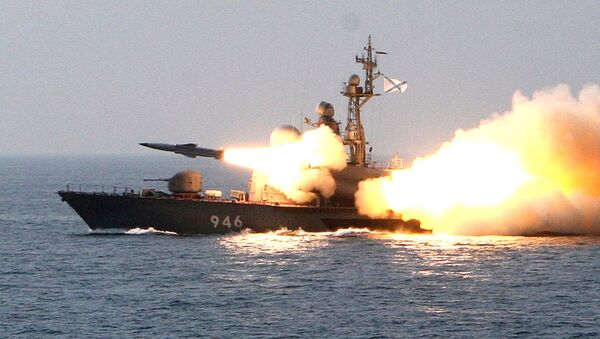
393 85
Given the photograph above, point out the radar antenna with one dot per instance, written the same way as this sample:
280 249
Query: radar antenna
354 135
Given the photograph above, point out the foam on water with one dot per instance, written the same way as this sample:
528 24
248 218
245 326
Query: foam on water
342 232
149 230
133 231
351 232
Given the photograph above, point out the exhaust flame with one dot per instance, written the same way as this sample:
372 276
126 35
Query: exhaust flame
533 169
296 167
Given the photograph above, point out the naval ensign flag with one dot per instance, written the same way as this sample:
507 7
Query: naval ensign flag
393 85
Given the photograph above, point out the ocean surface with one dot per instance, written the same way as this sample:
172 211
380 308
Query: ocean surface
59 279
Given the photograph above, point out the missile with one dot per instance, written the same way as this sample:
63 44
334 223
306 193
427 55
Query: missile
188 150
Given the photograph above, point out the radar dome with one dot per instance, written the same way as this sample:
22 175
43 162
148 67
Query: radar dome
284 134
354 80
325 109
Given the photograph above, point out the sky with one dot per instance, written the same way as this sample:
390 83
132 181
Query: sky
98 77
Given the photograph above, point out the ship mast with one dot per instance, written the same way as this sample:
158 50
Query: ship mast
354 135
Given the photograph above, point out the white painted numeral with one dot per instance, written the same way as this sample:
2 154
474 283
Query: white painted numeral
214 220
238 222
227 222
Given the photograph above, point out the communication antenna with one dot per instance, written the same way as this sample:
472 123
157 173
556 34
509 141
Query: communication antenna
358 96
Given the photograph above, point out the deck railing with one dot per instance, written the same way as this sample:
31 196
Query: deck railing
99 189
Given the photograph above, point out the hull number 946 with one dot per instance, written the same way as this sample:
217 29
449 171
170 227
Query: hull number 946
227 221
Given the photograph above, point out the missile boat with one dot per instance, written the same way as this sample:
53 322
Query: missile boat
188 209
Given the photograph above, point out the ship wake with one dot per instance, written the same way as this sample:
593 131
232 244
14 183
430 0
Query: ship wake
340 233
149 230
133 231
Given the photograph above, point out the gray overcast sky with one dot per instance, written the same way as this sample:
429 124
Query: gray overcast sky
99 77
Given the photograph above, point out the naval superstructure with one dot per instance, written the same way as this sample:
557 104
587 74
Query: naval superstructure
188 209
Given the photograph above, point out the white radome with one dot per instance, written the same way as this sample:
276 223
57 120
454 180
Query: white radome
284 134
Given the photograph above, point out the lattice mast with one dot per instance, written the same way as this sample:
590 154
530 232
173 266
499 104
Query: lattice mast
358 96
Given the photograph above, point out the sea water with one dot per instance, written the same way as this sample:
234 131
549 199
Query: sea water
57 278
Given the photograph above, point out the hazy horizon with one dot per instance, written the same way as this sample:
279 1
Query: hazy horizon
98 78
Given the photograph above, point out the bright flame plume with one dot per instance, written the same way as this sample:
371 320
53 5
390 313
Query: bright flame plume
297 167
535 168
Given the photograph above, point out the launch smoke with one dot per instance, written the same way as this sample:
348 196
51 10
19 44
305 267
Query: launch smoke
296 165
532 169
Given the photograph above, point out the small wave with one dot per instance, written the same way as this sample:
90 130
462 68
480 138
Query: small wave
133 231
344 232
105 231
149 230
351 232
283 231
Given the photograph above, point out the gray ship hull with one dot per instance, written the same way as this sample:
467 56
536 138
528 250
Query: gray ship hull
189 216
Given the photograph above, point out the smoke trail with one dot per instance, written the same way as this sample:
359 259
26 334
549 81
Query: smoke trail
298 166
535 168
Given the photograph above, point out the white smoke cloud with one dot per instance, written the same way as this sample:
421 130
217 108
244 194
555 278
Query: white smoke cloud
298 167
535 168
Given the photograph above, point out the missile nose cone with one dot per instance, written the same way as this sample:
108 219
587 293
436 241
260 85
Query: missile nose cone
143 144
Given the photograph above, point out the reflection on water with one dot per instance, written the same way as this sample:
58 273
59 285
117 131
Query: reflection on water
277 242
432 284
474 257
429 247
465 257
286 241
